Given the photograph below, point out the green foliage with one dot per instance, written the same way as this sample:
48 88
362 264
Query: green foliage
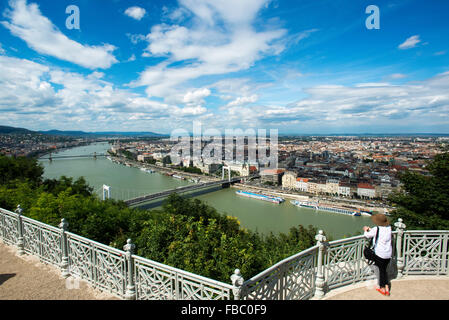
190 170
184 233
20 168
424 201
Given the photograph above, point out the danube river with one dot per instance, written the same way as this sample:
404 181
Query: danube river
128 182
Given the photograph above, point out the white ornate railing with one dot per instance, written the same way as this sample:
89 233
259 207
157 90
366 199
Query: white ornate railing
115 271
156 281
102 266
426 252
307 274
291 278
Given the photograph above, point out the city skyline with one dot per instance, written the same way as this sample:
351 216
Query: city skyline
302 68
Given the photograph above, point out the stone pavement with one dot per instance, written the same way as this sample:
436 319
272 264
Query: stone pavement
26 278
408 288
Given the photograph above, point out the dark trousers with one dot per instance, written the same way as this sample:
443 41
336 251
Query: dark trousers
382 265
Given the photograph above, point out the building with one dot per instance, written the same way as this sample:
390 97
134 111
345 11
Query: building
207 168
332 186
344 189
365 190
302 184
289 180
144 157
312 186
242 168
273 176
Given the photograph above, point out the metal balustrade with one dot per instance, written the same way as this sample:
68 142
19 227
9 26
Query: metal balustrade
305 275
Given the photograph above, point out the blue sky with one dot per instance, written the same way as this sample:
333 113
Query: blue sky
296 66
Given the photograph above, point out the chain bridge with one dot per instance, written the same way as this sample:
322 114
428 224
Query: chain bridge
93 155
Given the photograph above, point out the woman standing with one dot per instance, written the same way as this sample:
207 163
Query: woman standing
382 248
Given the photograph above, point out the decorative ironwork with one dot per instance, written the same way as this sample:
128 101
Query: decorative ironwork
299 282
102 266
42 240
335 264
292 278
155 281
426 252
9 226
344 262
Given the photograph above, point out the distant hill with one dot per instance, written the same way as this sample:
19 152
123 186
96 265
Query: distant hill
65 133
7 129
101 134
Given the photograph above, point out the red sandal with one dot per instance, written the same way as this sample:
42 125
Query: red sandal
382 291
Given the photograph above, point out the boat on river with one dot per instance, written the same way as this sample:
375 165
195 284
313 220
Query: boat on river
277 200
320 207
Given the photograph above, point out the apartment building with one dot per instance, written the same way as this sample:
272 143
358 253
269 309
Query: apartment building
289 180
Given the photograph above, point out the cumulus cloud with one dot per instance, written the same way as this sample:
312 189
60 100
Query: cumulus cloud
365 104
27 22
23 86
241 101
410 43
220 40
135 12
59 98
196 96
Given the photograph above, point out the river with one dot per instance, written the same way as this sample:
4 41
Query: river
127 182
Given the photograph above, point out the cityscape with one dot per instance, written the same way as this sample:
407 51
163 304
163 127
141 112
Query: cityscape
224 150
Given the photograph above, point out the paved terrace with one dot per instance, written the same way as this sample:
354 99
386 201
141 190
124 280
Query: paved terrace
25 278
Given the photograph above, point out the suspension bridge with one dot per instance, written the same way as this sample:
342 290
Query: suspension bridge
93 155
133 197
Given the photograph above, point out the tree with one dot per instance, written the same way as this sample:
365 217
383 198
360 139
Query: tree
185 233
424 201
20 168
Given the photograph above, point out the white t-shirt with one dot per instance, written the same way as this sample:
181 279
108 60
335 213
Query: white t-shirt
383 247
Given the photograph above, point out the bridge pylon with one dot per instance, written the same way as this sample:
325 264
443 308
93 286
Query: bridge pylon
223 172
106 192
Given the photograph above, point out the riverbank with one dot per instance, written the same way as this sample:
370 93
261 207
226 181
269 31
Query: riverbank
163 170
40 154
357 205
285 194
128 182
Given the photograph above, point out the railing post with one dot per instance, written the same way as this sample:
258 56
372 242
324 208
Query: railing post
400 227
237 282
130 293
64 225
320 282
20 243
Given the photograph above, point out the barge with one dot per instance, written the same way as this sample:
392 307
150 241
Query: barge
277 200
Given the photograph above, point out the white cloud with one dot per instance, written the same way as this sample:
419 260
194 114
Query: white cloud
221 40
410 43
241 101
135 12
412 105
61 98
396 76
2 51
196 96
132 58
27 22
